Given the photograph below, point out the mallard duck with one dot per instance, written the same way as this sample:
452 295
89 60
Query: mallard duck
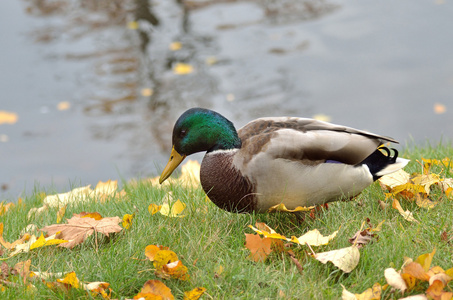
269 161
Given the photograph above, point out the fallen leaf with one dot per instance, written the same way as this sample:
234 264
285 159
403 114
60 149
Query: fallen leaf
313 238
71 280
282 208
175 270
127 221
194 294
394 279
347 295
259 247
174 210
154 208
10 246
42 241
416 270
60 213
78 229
93 215
23 268
423 201
98 288
151 250
155 288
407 215
425 180
397 178
346 259
425 260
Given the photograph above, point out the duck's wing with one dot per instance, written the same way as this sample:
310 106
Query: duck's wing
307 140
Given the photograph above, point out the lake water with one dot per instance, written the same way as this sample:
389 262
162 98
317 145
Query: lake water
96 88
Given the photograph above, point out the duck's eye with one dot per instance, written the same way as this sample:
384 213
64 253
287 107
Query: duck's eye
182 133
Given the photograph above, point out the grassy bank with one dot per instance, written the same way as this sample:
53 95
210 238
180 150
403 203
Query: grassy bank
210 242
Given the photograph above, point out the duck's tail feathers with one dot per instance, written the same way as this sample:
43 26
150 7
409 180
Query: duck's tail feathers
380 163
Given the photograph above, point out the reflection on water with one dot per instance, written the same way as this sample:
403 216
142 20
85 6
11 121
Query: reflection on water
115 62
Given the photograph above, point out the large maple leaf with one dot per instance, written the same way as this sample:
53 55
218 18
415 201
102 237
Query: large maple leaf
79 228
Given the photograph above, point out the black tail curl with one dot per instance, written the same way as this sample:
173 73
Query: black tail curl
378 160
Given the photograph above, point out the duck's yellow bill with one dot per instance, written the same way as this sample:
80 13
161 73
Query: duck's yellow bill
173 163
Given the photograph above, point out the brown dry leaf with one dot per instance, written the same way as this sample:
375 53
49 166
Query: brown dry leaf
346 259
23 268
78 229
155 288
407 215
194 294
259 247
395 280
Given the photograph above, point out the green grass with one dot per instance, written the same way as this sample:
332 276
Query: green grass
205 239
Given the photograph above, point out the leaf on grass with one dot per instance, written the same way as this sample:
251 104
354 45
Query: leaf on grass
155 288
425 180
194 294
394 279
259 247
423 201
78 229
23 268
267 231
70 279
373 293
42 241
346 259
166 263
314 238
93 215
282 208
407 215
127 220
416 270
363 237
151 250
60 213
10 246
173 210
98 288
397 178
154 208
425 260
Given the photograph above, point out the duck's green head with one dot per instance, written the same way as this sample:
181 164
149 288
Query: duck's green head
197 130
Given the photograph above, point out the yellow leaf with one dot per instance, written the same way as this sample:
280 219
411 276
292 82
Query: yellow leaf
425 260
99 288
270 233
194 294
133 25
41 242
154 208
127 220
94 215
313 238
346 259
175 46
423 201
282 208
407 215
426 180
151 250
373 293
70 279
182 69
173 210
397 178
394 279
174 269
60 213
64 105
7 117
164 257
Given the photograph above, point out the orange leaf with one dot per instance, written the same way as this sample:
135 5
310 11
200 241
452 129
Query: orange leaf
416 270
175 270
164 257
436 290
94 215
153 288
259 247
151 250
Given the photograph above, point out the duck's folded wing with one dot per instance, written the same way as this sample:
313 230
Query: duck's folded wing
307 140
